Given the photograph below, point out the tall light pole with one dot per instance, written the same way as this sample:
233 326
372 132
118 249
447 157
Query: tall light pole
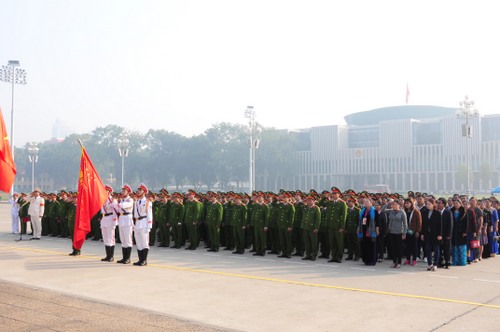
467 111
123 150
253 143
33 156
13 75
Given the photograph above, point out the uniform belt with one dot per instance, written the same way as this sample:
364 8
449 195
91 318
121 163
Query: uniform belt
108 214
141 217
125 213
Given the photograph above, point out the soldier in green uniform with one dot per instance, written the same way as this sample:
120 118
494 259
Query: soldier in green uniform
95 223
202 225
192 215
297 236
336 215
71 215
239 222
153 233
47 215
62 214
214 215
323 228
226 222
311 219
259 218
176 218
162 219
286 214
272 234
351 235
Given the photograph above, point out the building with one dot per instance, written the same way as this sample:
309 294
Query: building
419 148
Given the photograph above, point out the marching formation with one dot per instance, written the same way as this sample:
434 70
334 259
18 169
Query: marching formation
333 225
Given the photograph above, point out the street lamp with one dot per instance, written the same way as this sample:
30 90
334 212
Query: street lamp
13 75
253 143
123 150
33 156
467 111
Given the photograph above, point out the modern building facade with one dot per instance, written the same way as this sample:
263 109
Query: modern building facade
419 148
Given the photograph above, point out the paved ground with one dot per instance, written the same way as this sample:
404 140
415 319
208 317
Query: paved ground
245 293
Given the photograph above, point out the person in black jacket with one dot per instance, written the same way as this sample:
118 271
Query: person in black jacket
431 234
446 230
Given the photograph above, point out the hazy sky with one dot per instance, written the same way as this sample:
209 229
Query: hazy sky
185 65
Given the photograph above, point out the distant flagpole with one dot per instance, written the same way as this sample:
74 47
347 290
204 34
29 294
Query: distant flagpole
90 199
407 93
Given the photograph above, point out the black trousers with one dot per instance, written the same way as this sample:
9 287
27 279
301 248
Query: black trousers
397 247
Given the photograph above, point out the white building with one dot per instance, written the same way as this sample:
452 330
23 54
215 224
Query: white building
419 148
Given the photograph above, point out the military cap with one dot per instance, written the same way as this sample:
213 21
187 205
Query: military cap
128 188
108 188
336 190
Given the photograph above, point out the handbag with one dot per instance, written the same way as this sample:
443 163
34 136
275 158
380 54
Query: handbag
474 244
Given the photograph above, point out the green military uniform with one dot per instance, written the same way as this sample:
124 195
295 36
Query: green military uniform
96 226
192 215
336 214
214 214
239 222
154 227
260 222
297 237
176 218
323 229
62 215
311 220
45 218
163 222
285 218
351 234
273 237
249 233
228 227
71 215
51 213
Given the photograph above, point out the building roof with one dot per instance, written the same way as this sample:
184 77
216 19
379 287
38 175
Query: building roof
418 112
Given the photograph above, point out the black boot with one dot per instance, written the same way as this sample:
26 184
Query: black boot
111 253
106 259
129 252
139 254
144 260
76 252
126 255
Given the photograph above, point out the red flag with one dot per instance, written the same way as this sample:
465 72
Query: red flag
90 199
407 93
7 166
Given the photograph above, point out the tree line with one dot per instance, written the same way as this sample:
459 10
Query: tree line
217 159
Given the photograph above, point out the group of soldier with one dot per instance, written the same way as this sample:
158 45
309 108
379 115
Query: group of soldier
287 223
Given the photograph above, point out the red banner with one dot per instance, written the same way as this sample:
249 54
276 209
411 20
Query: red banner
90 199
7 166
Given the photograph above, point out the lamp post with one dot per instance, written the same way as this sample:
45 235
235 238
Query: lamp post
253 143
33 157
123 150
467 111
13 75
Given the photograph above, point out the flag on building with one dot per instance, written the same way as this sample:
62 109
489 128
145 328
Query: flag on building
90 199
7 166
407 93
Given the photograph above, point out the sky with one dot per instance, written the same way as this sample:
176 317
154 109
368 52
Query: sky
185 65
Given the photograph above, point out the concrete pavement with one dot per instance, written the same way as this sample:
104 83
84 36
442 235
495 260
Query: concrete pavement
242 292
